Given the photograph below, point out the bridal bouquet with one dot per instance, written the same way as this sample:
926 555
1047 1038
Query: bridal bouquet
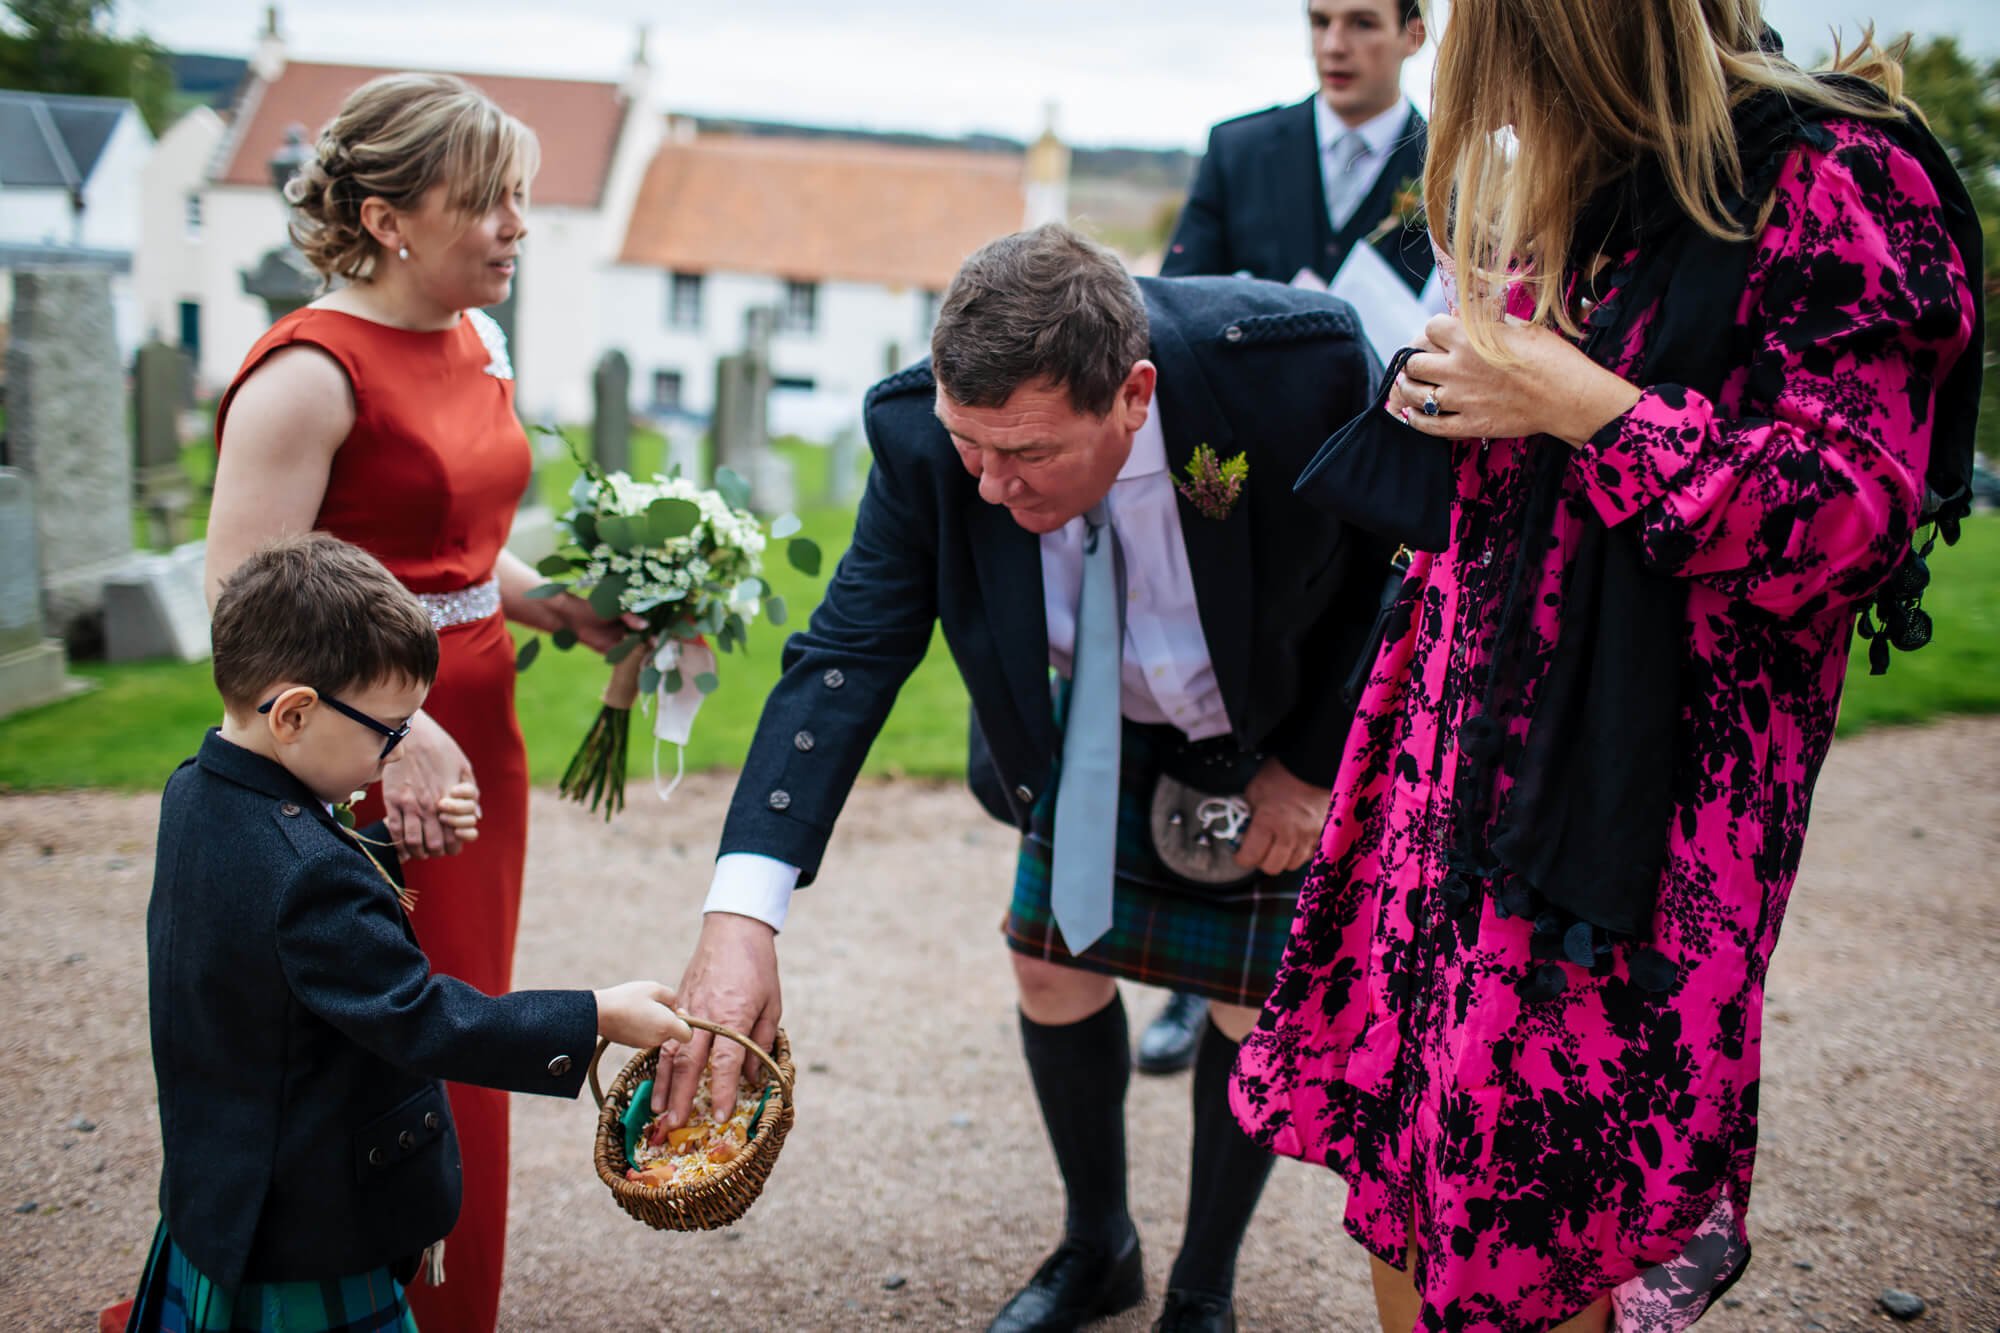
686 561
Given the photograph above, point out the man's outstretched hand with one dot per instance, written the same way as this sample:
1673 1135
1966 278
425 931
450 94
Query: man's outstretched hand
731 979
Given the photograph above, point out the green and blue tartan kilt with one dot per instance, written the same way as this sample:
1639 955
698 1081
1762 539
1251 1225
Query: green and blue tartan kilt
1222 944
175 1298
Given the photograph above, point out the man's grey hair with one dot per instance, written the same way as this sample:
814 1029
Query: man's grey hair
1044 305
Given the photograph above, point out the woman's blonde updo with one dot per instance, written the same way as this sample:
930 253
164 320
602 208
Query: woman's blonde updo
396 138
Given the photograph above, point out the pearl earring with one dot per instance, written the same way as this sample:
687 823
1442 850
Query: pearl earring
403 253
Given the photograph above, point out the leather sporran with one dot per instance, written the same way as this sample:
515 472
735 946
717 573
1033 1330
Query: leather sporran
1383 476
1199 815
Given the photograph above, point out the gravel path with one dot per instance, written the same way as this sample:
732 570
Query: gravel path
917 1188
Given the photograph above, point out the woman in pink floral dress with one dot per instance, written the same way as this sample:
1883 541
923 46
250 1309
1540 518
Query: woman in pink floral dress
1520 1010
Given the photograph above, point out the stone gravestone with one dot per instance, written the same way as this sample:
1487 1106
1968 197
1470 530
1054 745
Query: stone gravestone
611 413
66 430
156 607
741 424
33 670
159 381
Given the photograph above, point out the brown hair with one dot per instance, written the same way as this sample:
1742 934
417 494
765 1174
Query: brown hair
316 610
1046 304
396 138
1537 103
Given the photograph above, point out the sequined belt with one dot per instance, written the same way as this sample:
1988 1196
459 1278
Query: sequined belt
463 606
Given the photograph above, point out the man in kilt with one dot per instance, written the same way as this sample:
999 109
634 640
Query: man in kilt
1074 430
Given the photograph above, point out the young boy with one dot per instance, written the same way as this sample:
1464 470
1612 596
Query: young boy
298 1033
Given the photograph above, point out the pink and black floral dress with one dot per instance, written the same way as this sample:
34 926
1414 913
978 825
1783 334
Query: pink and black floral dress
1542 1150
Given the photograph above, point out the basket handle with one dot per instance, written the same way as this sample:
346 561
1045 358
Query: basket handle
784 1084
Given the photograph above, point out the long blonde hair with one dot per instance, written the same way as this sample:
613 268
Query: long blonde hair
1587 88
396 137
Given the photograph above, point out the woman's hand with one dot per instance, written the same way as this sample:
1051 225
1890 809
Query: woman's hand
1550 388
563 611
594 633
429 771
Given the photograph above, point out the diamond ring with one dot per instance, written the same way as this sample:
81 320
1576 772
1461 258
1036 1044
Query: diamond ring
1430 400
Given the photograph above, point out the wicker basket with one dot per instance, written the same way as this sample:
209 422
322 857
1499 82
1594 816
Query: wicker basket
705 1204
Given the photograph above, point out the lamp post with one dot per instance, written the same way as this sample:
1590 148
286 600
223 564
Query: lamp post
282 279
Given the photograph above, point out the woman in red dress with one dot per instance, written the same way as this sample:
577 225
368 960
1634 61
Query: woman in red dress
384 414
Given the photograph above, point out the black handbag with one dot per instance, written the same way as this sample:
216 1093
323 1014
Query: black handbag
1383 476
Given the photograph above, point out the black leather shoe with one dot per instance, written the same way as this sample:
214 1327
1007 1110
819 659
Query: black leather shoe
1168 1044
1195 1312
1073 1286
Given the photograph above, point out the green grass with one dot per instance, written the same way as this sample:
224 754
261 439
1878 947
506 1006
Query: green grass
143 719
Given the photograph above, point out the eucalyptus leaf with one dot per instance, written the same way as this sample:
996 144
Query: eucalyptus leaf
624 648
706 682
774 609
604 597
803 552
785 525
732 488
553 565
735 623
750 590
564 639
584 528
674 681
649 679
582 491
669 518
529 651
620 533
542 592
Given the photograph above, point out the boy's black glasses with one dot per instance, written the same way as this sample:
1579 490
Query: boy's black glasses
391 736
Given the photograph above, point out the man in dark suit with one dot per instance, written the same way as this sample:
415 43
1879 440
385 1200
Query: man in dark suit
1296 187
1010 474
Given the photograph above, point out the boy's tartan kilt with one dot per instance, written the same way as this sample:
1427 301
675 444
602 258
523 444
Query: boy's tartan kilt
1163 932
175 1298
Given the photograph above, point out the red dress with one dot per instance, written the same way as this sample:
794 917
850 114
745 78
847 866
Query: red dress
427 482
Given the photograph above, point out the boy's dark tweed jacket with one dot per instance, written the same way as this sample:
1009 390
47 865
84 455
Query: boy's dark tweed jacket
299 1036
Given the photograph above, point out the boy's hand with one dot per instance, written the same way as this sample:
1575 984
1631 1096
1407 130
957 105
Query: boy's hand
641 1014
458 810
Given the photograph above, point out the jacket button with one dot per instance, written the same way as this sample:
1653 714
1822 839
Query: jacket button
406 1140
288 810
431 1121
781 800
1024 794
375 1157
559 1066
1234 333
803 741
834 678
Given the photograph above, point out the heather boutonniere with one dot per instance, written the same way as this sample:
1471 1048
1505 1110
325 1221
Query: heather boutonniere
1406 209
1213 485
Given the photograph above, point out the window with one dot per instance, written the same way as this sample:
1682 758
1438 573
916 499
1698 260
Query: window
799 312
932 301
191 217
795 383
684 301
666 390
190 312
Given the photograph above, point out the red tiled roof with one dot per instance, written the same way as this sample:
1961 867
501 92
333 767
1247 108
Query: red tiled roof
577 123
821 209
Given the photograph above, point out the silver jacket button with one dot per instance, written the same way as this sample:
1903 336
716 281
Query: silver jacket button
1024 795
431 1120
288 810
559 1066
1234 333
406 1140
803 742
834 678
781 800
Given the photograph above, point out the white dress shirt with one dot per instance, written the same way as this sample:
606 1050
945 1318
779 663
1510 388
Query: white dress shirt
1167 676
1378 136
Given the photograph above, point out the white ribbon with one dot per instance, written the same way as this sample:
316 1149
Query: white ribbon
674 710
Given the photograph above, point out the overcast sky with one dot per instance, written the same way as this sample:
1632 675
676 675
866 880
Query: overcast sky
928 65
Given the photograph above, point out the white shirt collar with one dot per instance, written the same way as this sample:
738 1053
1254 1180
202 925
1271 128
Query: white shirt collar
1149 446
1379 133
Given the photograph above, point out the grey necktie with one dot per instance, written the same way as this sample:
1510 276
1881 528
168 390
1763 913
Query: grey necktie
1346 181
1086 830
